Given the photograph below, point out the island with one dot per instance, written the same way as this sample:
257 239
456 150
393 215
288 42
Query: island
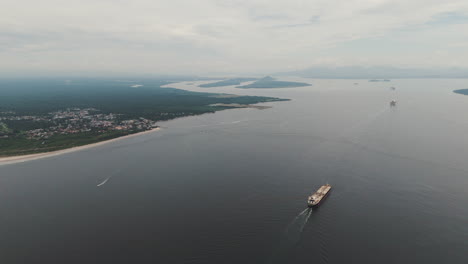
461 91
376 80
270 82
47 115
228 82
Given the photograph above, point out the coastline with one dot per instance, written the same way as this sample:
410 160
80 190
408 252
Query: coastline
23 158
28 157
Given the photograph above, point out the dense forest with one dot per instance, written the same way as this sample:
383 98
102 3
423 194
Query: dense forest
36 97
92 110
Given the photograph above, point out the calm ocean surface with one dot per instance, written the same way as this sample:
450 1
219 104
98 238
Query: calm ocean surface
231 187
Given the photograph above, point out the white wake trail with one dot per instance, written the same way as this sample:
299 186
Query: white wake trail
294 221
104 182
309 212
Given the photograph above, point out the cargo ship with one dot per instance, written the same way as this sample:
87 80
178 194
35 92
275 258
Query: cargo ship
315 199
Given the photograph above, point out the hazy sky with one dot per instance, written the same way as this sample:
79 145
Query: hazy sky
239 36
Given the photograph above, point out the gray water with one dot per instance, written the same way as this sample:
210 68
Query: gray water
231 187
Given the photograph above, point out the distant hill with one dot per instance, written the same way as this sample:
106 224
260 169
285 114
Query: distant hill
228 82
270 82
358 72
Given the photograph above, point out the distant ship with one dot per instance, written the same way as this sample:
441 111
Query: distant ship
315 199
393 103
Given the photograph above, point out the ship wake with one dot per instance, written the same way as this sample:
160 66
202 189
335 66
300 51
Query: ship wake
104 182
291 237
297 225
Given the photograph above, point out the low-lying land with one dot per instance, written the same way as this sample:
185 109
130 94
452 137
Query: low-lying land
228 82
47 115
259 107
269 82
376 80
461 91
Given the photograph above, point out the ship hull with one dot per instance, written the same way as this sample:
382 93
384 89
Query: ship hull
314 205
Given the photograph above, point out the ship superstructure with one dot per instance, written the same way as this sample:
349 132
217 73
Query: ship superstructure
318 196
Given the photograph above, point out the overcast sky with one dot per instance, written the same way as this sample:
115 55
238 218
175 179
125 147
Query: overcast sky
221 36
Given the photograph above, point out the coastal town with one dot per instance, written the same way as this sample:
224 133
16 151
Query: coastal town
68 121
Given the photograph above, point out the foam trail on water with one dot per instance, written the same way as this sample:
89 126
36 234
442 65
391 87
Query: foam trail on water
296 219
291 237
294 229
232 122
108 178
367 121
309 212
104 182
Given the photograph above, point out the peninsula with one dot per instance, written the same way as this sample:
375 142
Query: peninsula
228 82
461 91
48 115
270 82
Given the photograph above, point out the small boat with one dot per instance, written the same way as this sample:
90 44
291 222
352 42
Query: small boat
393 103
315 199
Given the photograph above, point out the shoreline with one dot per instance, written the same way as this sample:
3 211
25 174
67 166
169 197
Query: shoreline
35 156
28 157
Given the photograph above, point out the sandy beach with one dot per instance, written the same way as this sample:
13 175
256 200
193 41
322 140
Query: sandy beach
23 158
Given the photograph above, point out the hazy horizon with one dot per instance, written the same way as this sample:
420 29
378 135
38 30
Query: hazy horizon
233 131
348 72
213 37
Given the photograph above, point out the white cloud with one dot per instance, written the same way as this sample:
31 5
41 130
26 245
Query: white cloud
196 37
